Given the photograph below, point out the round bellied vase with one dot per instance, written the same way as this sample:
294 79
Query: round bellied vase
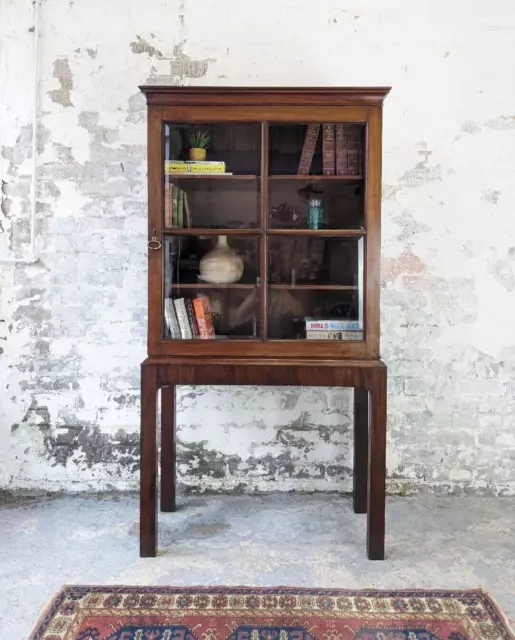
221 265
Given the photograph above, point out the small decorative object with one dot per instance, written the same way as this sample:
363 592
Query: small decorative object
315 210
285 216
221 265
199 142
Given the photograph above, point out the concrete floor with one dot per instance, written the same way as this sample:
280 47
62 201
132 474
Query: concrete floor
280 539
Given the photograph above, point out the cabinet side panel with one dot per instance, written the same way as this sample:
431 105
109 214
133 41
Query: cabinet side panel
155 257
373 226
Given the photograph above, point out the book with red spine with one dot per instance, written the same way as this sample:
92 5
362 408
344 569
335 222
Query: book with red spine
308 149
204 319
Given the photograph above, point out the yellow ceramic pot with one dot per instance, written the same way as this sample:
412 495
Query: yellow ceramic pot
197 154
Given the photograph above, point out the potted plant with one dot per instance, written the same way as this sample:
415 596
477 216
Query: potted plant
199 142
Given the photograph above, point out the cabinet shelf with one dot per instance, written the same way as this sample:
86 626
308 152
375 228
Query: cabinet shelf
193 231
312 178
211 176
317 287
325 233
212 285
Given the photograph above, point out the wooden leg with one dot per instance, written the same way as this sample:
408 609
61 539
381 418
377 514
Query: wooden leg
360 450
168 448
148 471
377 468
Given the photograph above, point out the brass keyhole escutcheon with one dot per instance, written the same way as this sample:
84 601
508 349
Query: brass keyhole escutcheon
154 243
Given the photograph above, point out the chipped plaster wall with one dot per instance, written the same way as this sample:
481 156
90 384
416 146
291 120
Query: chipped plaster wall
73 325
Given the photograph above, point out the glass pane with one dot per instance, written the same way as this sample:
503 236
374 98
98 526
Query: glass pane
308 204
215 187
211 287
211 203
317 149
315 287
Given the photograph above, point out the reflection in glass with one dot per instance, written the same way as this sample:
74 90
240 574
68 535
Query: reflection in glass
315 287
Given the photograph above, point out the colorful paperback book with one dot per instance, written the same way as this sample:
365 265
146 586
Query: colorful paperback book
334 335
334 324
171 320
204 319
182 317
192 318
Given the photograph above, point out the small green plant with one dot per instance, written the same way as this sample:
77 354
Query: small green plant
199 139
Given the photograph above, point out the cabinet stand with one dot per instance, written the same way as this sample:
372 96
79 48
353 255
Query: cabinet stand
367 377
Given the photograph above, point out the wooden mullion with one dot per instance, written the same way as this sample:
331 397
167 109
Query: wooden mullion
263 267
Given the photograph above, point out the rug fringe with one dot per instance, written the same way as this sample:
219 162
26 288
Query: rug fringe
499 612
44 612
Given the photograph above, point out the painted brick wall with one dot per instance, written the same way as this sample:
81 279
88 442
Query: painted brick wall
72 330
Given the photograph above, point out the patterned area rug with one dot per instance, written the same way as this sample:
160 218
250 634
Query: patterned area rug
283 613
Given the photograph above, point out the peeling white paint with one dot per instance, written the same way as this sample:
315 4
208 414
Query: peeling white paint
75 323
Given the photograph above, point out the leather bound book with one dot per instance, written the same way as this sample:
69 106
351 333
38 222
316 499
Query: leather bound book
308 149
328 152
354 150
361 151
342 138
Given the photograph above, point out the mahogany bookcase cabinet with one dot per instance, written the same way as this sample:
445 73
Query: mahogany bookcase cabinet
263 265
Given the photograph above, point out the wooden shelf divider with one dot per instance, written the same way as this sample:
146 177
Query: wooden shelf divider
311 178
193 231
326 233
315 287
212 285
211 176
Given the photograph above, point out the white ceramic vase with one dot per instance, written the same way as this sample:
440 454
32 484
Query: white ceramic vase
221 265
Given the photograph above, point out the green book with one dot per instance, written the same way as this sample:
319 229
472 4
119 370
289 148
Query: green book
180 209
175 199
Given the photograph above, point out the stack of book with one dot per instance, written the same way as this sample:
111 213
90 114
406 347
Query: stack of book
333 329
342 149
189 319
177 207
202 167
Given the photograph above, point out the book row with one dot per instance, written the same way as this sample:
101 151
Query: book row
342 149
189 319
177 207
